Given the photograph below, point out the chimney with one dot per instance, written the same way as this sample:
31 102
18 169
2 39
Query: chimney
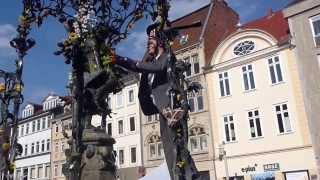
270 12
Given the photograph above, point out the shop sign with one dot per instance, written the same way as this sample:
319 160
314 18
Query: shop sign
249 168
271 167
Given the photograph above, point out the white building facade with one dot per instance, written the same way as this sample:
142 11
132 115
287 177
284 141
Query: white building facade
35 137
125 127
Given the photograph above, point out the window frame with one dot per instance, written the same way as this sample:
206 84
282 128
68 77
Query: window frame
283 119
229 128
254 122
248 72
314 36
224 84
277 81
136 154
133 96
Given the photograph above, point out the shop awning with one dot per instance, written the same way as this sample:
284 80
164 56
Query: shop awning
263 176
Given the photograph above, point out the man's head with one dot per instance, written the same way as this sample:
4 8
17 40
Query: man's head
152 46
155 45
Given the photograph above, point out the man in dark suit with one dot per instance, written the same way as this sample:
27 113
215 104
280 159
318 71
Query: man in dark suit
154 98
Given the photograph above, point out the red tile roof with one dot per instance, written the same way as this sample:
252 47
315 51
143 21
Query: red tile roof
275 24
193 33
221 22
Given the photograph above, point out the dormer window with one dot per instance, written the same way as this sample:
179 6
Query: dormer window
50 103
27 111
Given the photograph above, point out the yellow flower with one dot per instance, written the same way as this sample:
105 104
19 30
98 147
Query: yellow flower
18 87
73 36
180 164
12 167
5 146
2 88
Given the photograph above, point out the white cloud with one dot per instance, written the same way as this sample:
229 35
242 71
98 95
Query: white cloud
182 7
7 32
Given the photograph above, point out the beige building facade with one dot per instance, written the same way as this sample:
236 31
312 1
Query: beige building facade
259 120
61 124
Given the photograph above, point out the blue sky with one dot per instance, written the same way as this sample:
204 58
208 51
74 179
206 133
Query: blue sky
45 73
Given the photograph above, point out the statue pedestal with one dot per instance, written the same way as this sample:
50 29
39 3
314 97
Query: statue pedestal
98 159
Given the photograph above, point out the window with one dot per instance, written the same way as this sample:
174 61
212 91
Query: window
22 130
119 100
248 78
42 146
32 148
121 156
26 150
38 147
275 70
120 126
224 84
43 123
283 118
133 152
62 147
315 24
27 128
195 101
110 129
56 147
191 104
48 144
47 171
48 123
229 128
33 172
18 131
131 96
40 171
132 124
18 174
153 118
198 139
254 123
55 170
33 126
155 147
196 65
38 125
187 60
57 128
243 48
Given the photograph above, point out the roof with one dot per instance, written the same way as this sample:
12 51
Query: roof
274 24
193 33
218 21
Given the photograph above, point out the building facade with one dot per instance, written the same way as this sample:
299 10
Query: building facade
124 126
304 22
194 46
259 119
61 126
35 138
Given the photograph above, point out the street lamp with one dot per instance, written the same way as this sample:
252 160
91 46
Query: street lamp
223 156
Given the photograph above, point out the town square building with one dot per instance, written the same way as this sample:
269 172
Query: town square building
259 119
34 134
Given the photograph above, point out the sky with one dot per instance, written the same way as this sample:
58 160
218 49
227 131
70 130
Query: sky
46 73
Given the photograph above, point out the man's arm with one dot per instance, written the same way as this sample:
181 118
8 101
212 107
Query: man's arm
143 66
153 66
